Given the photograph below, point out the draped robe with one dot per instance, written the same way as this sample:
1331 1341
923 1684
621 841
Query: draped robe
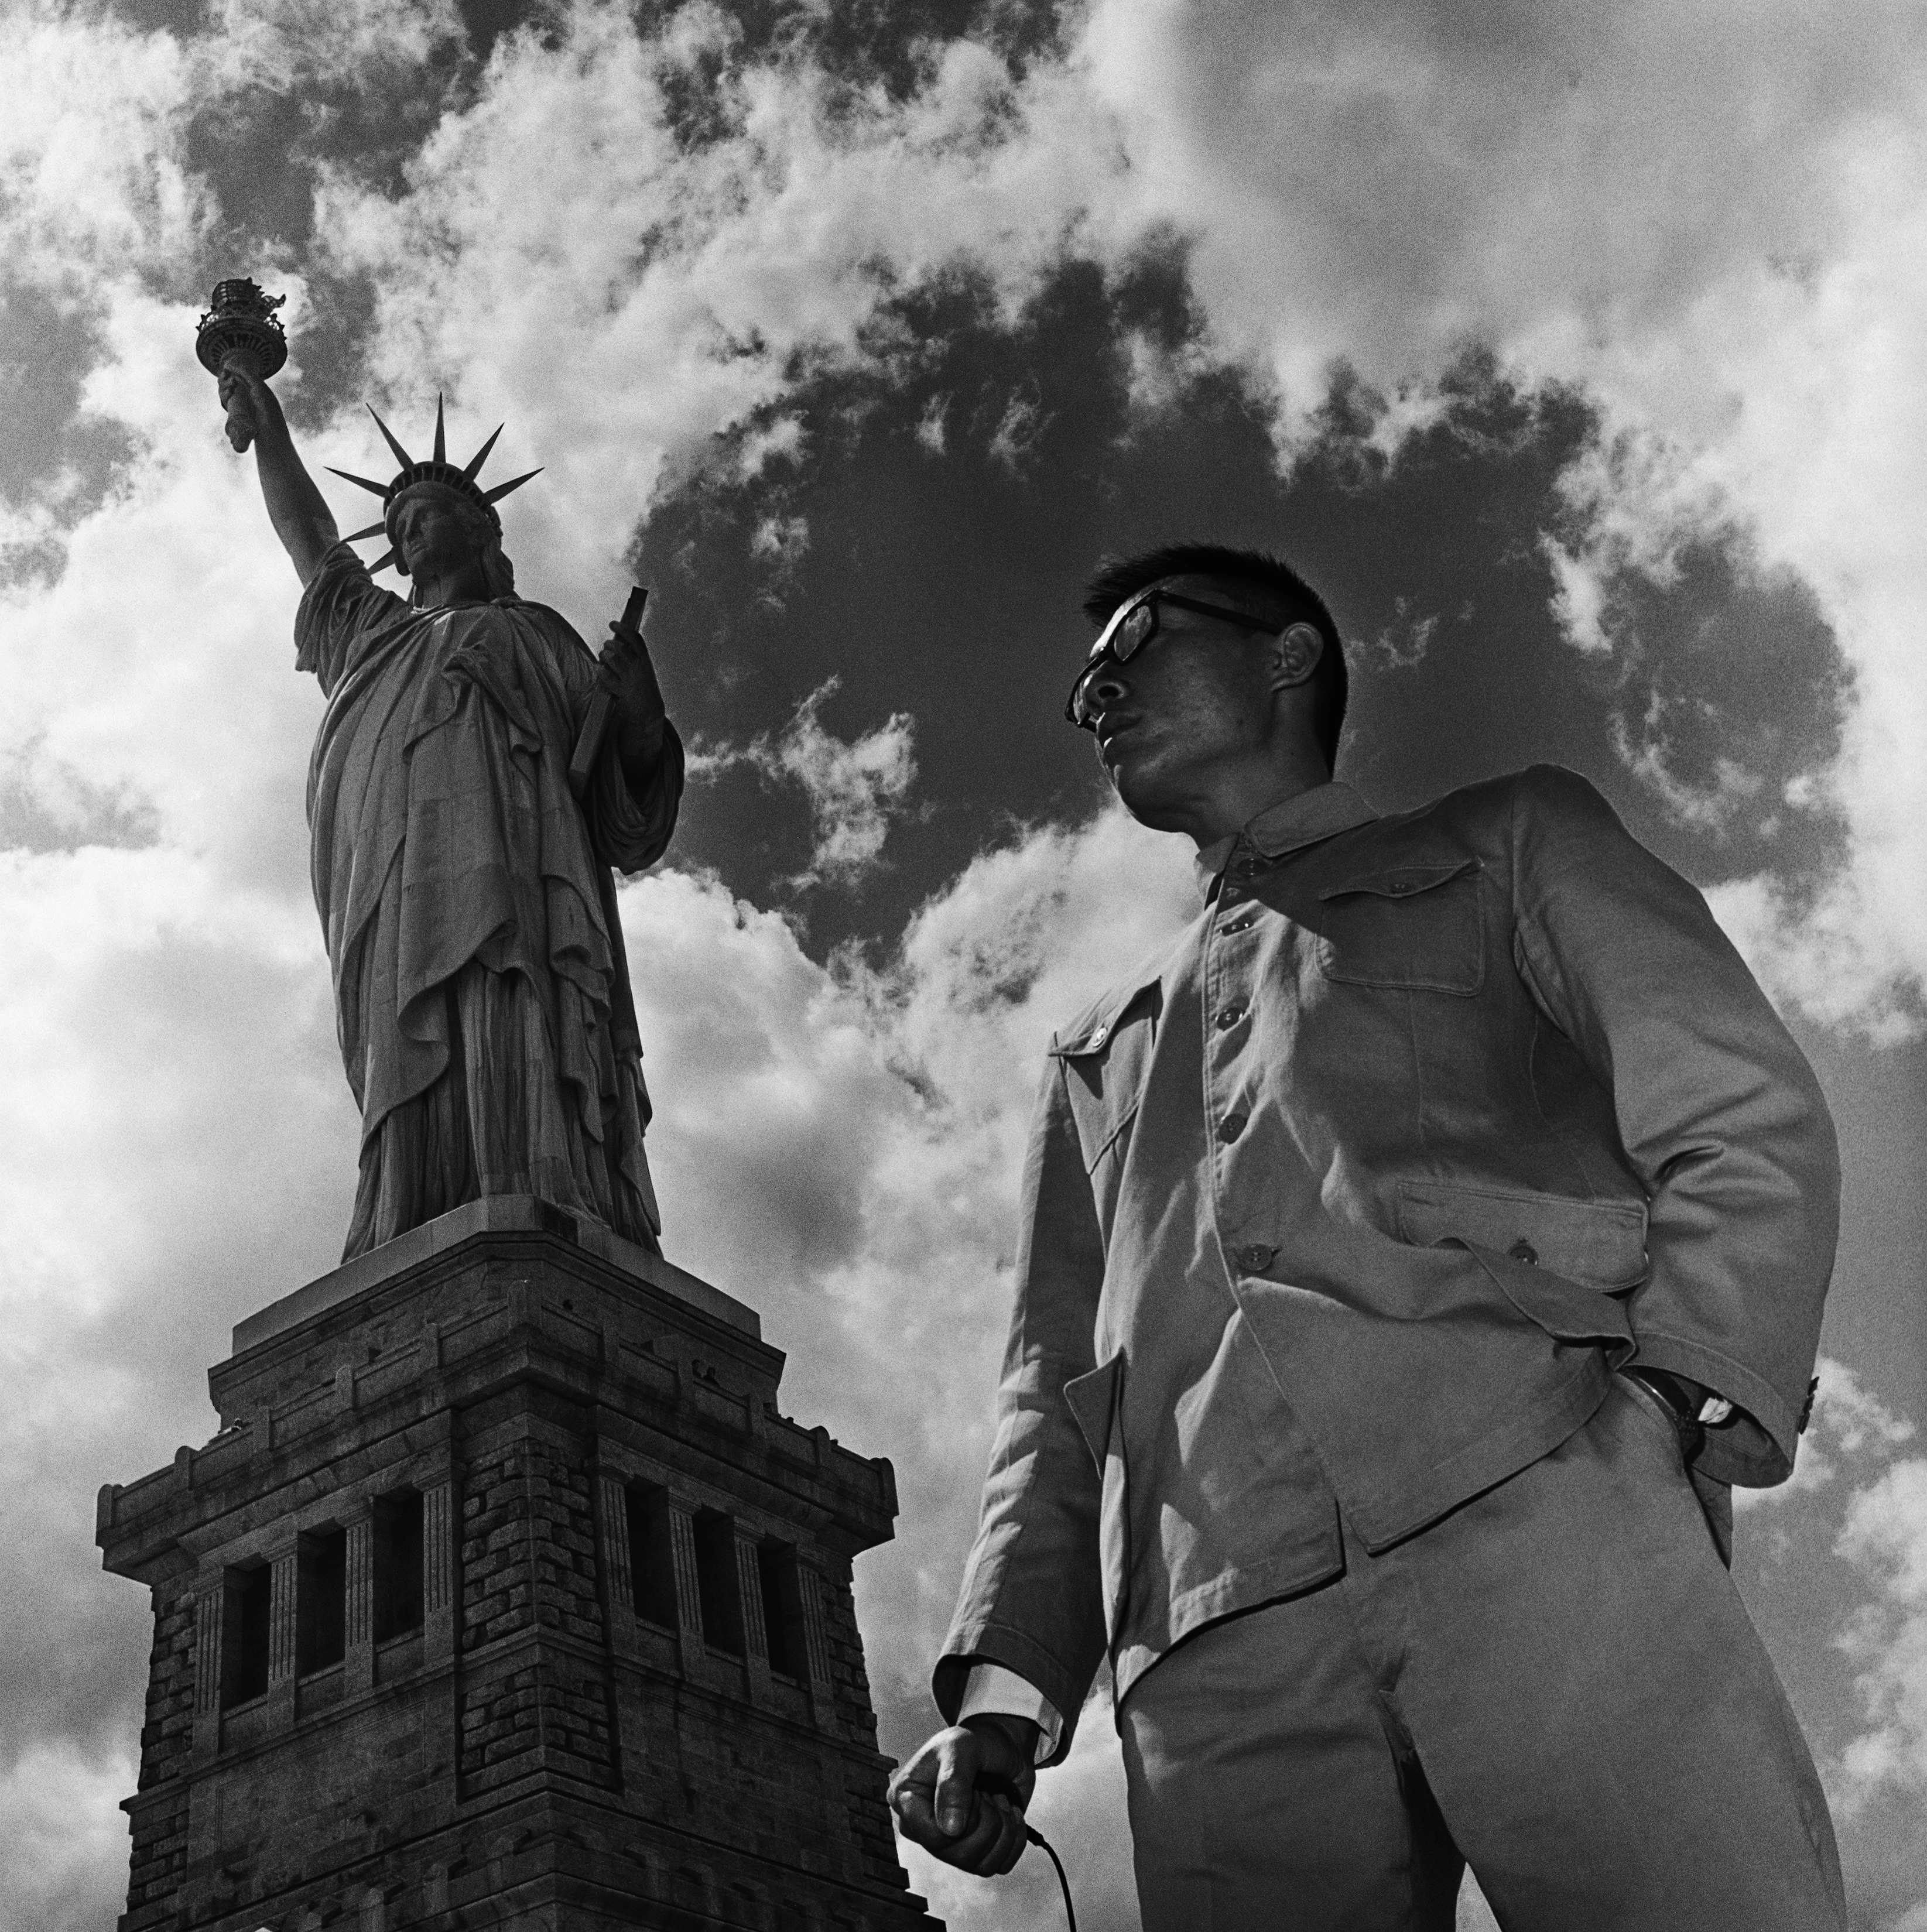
481 990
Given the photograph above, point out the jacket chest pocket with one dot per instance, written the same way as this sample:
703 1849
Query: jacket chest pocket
1413 928
1106 1058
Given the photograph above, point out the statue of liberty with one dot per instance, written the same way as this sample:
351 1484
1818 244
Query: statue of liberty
481 989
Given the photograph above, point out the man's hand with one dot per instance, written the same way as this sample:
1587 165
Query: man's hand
938 1803
629 677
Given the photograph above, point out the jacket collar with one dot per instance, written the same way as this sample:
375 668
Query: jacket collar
1301 819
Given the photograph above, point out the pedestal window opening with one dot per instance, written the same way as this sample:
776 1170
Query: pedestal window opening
652 1551
244 1662
398 1606
783 1609
716 1582
321 1597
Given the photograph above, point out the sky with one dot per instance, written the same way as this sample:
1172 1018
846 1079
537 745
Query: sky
1579 354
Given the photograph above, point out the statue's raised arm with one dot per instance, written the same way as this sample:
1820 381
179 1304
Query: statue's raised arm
301 519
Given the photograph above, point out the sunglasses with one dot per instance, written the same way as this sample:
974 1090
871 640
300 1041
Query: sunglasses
1132 625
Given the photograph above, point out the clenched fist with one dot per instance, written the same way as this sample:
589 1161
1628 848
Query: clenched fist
938 1802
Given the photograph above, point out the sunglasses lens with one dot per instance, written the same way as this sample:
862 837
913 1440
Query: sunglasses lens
1079 709
1118 645
1134 633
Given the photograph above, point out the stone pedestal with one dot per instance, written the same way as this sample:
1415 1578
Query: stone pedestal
505 1596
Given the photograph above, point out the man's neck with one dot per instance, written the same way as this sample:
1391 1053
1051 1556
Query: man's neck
1233 805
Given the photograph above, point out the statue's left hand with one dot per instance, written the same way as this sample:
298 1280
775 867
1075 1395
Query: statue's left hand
627 674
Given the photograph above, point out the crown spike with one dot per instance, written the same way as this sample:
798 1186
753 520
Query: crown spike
381 562
401 456
501 490
481 456
348 476
373 530
441 439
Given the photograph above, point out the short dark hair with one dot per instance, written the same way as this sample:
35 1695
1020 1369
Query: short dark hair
1118 578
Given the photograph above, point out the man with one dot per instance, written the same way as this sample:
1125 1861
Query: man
481 993
1411 1261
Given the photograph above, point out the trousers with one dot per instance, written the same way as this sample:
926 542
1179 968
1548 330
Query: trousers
1556 1684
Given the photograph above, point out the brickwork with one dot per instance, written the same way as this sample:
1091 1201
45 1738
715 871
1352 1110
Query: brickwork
529 1750
849 1679
168 1735
159 1854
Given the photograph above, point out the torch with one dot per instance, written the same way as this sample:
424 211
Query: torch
241 323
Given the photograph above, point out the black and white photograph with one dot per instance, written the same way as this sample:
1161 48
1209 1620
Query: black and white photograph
965 965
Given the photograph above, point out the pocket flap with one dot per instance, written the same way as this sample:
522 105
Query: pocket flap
1093 1402
1399 882
1601 1243
1090 1032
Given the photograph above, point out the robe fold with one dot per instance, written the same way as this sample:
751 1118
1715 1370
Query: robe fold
481 993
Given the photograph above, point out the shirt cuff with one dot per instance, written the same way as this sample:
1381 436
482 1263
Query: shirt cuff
991 1691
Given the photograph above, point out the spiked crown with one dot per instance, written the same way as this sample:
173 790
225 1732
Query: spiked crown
436 470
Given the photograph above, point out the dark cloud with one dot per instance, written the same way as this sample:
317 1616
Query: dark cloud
47 345
946 585
886 43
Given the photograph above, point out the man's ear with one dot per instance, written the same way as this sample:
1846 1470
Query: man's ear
1295 654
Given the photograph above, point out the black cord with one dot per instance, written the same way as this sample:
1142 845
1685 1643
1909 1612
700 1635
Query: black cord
1037 1838
990 1786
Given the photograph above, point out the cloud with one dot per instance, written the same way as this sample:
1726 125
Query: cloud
61 1833
1404 642
1013 443
1885 1536
932 426
855 787
1595 197
1719 240
1709 807
718 271
780 542
93 182
841 1144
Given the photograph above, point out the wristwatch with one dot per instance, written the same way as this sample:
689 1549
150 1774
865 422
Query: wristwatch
1693 1408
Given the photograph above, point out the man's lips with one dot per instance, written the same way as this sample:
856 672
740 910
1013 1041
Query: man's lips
1110 730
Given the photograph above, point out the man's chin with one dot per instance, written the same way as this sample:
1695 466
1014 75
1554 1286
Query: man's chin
1136 782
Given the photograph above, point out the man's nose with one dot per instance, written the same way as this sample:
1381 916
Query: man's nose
1107 689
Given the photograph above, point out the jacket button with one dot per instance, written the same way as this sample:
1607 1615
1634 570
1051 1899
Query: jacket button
1256 1258
1098 1038
1400 885
1237 924
1231 1126
1228 1017
1523 1250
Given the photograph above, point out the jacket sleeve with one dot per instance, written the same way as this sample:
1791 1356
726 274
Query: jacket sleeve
1032 1597
1718 1111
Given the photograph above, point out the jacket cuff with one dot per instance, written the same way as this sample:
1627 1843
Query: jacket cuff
1755 1450
997 1643
991 1691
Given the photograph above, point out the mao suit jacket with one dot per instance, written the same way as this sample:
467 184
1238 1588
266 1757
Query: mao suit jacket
1355 1200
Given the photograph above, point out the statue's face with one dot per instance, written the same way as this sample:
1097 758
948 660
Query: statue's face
434 533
